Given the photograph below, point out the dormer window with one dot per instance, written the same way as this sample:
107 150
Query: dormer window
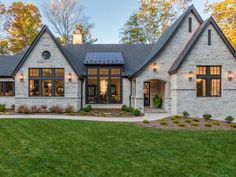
190 24
209 37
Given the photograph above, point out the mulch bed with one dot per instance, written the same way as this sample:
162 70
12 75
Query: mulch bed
187 126
94 112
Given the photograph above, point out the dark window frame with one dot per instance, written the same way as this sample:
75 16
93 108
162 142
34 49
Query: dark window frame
209 37
190 25
40 78
4 88
110 76
208 78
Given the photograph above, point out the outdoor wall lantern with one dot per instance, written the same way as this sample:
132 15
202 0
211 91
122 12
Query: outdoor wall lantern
70 77
154 67
21 76
230 75
190 76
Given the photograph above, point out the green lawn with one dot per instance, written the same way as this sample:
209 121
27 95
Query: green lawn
50 148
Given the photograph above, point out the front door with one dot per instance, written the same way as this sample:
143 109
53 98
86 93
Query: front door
146 92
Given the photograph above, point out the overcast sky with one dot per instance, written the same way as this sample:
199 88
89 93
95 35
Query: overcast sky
109 16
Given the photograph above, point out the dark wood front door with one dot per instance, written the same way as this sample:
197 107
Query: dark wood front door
146 92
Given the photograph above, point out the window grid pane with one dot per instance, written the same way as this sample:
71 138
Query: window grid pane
201 87
59 72
201 70
47 72
34 72
92 71
215 87
103 71
215 70
115 71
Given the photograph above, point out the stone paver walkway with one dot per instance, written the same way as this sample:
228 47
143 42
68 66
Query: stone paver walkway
150 117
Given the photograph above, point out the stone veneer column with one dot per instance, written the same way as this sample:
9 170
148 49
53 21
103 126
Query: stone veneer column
139 99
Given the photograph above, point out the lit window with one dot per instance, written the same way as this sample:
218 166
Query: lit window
208 81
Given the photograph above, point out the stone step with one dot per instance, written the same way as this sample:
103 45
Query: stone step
154 110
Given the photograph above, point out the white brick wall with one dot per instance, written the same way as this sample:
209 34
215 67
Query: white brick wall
57 60
185 91
164 62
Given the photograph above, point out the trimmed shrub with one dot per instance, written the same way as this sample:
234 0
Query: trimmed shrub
216 123
229 119
188 120
136 112
163 122
88 108
157 101
129 109
186 114
23 109
196 119
174 117
44 108
56 109
207 124
194 124
124 107
233 125
2 107
175 121
146 122
13 107
69 109
181 124
207 116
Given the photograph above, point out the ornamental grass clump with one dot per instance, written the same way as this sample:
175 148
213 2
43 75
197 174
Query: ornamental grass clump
2 107
233 125
175 121
163 122
229 119
207 124
181 124
146 122
188 120
216 123
194 124
174 117
196 119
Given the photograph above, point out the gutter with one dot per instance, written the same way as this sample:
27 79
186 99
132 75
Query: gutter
130 96
82 95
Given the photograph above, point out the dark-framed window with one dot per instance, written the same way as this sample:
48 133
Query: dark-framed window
209 37
104 85
46 82
190 24
7 88
208 81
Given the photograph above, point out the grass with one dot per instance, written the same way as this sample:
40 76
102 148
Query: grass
77 148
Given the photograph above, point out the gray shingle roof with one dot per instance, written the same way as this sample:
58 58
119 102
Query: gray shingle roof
104 58
133 54
8 63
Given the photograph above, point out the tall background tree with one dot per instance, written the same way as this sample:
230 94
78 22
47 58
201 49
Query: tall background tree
154 17
23 25
3 21
224 12
133 33
65 15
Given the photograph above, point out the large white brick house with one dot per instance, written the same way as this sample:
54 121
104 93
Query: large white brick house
192 67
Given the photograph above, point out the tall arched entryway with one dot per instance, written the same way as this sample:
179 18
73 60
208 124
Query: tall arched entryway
153 88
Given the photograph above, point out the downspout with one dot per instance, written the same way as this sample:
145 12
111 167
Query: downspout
131 90
82 95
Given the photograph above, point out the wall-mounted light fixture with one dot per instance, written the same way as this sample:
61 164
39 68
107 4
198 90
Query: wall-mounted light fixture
21 76
154 67
190 75
69 77
230 75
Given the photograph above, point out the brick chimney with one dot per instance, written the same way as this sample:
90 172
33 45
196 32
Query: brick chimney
77 37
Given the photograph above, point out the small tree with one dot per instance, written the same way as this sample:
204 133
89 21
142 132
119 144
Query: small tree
207 116
229 119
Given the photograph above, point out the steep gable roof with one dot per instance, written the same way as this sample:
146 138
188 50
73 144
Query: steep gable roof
192 42
167 36
40 34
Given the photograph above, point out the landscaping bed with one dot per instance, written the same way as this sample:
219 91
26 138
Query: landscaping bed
188 123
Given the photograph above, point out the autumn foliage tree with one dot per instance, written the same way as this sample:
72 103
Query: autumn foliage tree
224 12
23 25
154 17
